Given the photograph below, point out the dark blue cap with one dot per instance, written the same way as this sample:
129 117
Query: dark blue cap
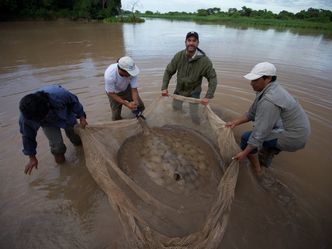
192 33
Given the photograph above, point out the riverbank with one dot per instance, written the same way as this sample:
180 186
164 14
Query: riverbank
315 27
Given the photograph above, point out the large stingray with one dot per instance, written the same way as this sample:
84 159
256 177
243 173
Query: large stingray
173 157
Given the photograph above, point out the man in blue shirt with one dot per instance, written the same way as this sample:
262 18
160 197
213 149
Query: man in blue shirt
51 107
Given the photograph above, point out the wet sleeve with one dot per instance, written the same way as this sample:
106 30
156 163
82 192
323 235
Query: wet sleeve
211 76
267 115
170 71
28 130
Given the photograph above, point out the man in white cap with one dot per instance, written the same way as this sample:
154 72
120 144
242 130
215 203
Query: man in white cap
280 123
121 87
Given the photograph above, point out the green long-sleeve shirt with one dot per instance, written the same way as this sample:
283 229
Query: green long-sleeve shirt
190 73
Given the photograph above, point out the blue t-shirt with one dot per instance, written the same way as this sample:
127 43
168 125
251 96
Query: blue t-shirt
65 109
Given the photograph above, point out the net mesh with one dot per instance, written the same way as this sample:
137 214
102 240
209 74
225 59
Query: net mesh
159 192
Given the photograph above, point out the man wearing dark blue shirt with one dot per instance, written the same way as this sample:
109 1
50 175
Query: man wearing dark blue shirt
51 107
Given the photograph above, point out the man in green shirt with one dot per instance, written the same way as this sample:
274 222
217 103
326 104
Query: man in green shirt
191 65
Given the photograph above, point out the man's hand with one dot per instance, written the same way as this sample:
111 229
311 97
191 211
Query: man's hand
204 101
230 124
243 154
83 122
164 92
240 120
131 105
240 156
33 163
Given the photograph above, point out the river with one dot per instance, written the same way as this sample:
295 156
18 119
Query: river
62 206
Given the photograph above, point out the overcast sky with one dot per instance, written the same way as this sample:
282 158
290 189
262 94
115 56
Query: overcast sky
193 5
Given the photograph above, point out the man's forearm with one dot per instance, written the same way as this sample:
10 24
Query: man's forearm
211 88
117 98
165 85
134 94
166 79
29 145
242 119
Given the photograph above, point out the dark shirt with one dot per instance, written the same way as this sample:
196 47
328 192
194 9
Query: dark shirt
65 109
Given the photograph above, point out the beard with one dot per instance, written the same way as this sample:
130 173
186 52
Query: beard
191 48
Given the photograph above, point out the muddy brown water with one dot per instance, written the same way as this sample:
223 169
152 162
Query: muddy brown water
62 206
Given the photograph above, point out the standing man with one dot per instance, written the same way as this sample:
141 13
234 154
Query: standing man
51 107
121 87
191 65
280 122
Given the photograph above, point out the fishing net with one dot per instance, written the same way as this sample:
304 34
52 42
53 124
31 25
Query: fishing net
170 177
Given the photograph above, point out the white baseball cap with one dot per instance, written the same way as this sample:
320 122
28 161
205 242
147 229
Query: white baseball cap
261 69
126 63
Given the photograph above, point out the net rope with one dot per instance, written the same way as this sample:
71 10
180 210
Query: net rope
135 205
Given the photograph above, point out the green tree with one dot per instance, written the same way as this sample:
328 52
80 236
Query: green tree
245 11
212 11
285 15
202 12
148 12
44 8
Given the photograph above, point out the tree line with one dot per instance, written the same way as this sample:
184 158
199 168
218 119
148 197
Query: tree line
311 14
101 9
52 9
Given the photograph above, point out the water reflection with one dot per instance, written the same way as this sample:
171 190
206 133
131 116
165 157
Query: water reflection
48 44
73 177
163 38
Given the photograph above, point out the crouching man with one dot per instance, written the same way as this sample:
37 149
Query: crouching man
51 107
280 123
121 83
